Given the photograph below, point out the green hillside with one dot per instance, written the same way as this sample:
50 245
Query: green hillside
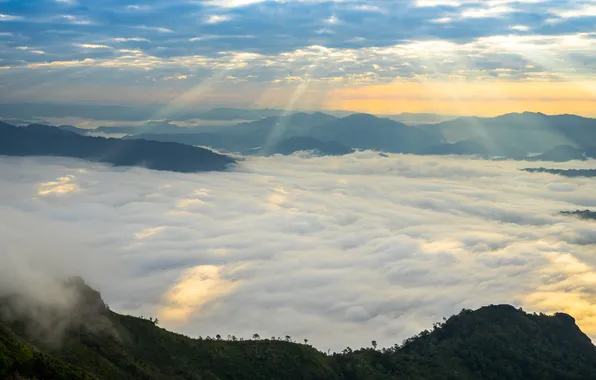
495 342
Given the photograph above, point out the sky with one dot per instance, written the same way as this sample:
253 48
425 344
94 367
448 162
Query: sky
482 57
336 250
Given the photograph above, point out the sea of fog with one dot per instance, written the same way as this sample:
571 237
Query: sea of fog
337 250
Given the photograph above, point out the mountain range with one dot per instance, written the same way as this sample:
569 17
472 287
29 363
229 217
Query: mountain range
93 342
37 111
519 136
527 136
43 140
527 131
357 131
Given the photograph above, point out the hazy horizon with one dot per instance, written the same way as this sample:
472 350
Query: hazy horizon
76 106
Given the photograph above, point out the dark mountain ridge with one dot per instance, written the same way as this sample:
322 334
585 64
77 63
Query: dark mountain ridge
494 342
528 131
520 136
357 131
365 131
563 153
43 140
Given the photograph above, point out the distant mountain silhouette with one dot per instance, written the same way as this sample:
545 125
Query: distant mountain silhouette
289 125
43 140
529 132
364 131
520 136
476 147
237 114
72 128
221 141
17 122
150 127
357 131
126 130
562 153
256 132
420 118
249 137
300 143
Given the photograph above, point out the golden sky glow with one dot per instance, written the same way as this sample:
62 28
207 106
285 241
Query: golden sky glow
457 98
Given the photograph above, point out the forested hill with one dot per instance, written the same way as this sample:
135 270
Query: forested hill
495 342
43 140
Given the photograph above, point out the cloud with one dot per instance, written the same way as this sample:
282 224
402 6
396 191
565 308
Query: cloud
338 250
155 28
5 17
232 3
129 39
216 19
520 28
586 9
76 20
368 8
93 46
497 11
355 29
136 7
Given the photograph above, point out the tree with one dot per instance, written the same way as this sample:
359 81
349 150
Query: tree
305 341
218 337
374 344
288 338
256 336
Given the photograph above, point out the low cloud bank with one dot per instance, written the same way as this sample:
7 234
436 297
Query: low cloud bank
338 250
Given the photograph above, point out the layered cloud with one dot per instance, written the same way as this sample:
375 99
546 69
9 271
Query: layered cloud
338 250
104 45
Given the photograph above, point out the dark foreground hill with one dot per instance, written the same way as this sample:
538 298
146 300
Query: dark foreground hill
43 140
495 342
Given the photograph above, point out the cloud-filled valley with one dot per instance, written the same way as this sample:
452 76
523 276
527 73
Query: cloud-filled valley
339 250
